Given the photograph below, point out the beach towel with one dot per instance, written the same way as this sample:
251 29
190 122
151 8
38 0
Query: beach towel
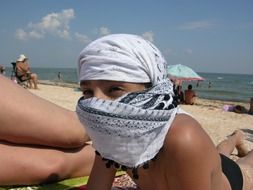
62 185
122 181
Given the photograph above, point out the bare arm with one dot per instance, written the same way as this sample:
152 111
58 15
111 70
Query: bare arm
101 177
26 118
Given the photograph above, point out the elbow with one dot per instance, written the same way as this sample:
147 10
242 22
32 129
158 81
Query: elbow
76 138
74 134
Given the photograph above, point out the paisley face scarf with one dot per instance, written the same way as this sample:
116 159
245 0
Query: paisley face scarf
129 131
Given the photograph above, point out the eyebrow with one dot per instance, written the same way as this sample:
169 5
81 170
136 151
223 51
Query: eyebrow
85 82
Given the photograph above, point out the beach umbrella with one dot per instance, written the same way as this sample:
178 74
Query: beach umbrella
183 73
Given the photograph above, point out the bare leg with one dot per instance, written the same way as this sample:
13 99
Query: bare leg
233 141
23 165
26 118
29 83
34 78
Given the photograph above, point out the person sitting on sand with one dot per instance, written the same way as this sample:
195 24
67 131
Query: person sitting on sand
23 71
190 95
129 110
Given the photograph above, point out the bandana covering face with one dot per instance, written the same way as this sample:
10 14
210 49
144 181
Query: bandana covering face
131 129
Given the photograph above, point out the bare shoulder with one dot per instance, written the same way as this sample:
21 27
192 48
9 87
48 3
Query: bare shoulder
186 137
191 154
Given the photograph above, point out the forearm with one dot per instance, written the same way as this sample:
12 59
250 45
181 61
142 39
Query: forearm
101 177
26 118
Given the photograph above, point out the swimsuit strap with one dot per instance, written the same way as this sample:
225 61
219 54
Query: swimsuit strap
233 172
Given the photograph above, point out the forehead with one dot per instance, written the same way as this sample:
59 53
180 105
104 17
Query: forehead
99 82
107 83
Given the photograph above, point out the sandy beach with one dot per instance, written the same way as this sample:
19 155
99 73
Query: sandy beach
216 122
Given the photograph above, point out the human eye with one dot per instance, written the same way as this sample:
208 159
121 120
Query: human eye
116 91
87 93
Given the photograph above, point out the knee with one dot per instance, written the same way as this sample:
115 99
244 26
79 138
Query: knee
34 76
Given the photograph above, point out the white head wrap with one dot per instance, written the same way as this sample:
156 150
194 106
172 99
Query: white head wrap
122 57
131 129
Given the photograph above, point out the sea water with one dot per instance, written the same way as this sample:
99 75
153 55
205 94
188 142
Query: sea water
229 87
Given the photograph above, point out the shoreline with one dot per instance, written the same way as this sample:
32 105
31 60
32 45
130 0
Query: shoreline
205 100
59 83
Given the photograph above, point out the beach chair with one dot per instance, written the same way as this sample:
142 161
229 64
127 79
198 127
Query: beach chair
2 69
23 79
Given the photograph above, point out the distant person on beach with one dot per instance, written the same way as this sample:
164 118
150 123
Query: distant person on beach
59 76
130 112
197 85
178 90
190 95
2 69
239 108
24 72
209 84
180 94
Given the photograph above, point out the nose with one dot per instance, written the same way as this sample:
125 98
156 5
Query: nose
101 95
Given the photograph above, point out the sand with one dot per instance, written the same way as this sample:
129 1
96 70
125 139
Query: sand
216 122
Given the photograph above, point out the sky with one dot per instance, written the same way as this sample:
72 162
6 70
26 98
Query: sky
214 36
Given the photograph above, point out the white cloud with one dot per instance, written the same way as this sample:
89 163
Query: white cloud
148 36
103 31
54 23
82 38
188 51
197 25
21 34
34 34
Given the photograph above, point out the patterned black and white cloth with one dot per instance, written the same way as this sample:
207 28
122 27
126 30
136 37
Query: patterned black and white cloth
131 129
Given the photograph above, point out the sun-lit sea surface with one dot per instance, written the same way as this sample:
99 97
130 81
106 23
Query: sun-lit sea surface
230 87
